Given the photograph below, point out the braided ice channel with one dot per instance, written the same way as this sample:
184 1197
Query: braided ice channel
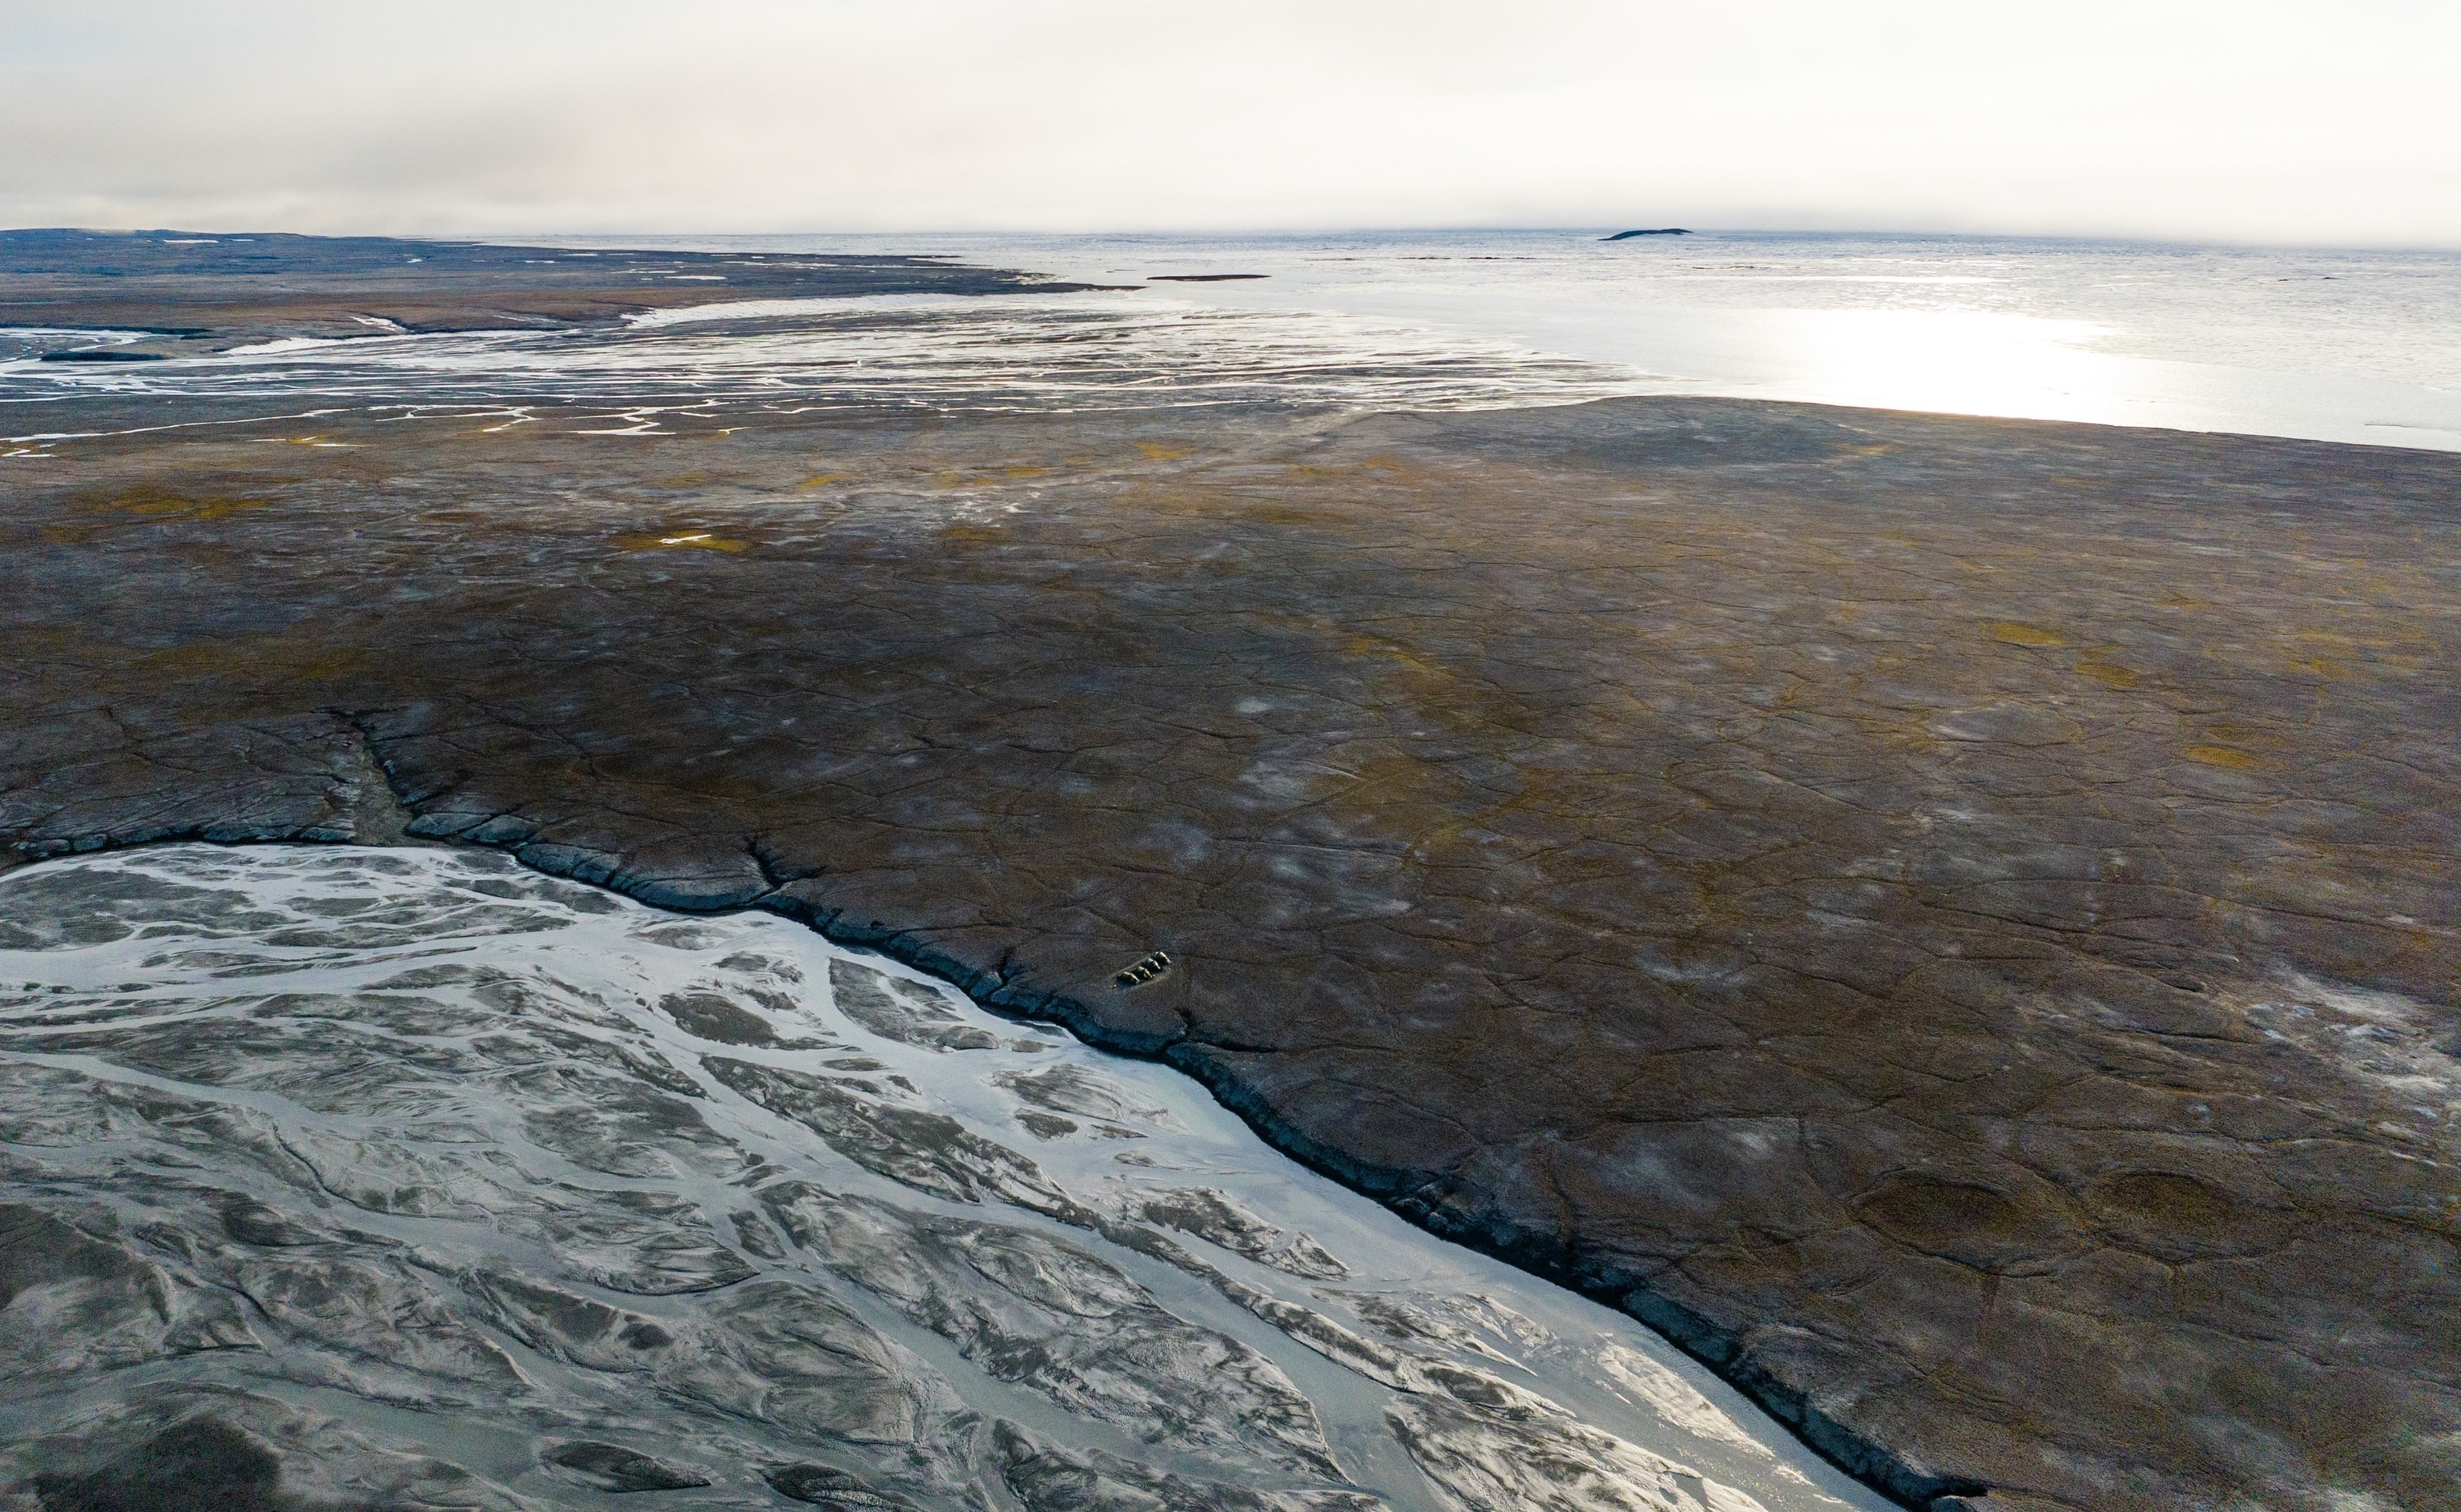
347 1178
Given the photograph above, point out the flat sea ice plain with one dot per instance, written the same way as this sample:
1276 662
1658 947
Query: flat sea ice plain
409 1178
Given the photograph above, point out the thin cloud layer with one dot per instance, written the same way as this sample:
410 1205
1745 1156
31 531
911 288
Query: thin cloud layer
2299 123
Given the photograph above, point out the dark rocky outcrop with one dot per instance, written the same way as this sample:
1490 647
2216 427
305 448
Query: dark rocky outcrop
614 1468
204 1463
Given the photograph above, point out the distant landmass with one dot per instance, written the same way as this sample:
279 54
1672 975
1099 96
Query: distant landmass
1663 230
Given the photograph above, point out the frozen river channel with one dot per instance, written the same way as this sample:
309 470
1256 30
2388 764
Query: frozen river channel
342 1176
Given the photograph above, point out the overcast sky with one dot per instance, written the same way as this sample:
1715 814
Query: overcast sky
2256 120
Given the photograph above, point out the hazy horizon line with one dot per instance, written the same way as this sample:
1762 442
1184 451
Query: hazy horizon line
1272 232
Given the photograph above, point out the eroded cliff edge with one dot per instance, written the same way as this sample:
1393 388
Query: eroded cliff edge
1951 918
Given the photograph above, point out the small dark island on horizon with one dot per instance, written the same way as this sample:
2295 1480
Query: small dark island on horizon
1663 230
